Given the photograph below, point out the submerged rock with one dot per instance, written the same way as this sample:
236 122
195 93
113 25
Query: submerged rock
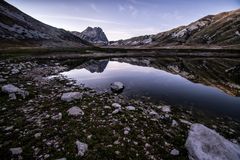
75 111
70 96
206 144
117 86
81 148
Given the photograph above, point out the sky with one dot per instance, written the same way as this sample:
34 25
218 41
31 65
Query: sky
122 19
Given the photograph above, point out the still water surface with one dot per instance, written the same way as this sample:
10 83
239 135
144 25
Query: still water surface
157 84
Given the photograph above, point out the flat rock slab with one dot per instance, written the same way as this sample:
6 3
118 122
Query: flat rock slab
70 96
206 144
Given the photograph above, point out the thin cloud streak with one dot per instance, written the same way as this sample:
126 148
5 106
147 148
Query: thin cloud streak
78 18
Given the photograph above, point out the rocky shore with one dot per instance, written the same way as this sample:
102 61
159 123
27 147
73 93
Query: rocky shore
47 117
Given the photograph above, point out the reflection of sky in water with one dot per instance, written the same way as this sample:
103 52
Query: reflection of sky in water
159 86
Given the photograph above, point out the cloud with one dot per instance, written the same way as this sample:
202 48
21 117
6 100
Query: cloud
94 7
121 8
133 10
94 20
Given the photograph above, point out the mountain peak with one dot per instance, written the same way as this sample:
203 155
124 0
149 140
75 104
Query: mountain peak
93 35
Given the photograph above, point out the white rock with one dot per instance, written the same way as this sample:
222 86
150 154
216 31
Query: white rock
127 130
130 108
9 128
11 89
81 147
116 105
16 151
166 109
15 71
37 135
174 123
107 107
117 86
116 111
70 96
57 117
75 111
206 144
185 122
174 152
62 158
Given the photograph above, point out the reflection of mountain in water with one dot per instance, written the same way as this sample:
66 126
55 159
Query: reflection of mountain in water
95 66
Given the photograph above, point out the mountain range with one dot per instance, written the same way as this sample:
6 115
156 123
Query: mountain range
213 30
18 29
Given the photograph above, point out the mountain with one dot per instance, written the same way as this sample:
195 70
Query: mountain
93 35
213 30
18 29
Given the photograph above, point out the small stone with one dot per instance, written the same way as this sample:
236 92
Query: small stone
116 111
174 123
16 151
81 147
130 108
174 152
37 135
12 96
62 158
107 107
126 130
15 71
116 105
166 109
70 96
57 117
9 128
185 122
75 111
89 136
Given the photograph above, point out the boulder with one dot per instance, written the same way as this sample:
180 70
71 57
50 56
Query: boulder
70 96
75 111
117 87
81 148
13 90
206 144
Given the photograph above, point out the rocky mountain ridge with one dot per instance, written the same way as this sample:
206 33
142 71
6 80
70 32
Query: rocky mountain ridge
19 29
93 35
213 30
